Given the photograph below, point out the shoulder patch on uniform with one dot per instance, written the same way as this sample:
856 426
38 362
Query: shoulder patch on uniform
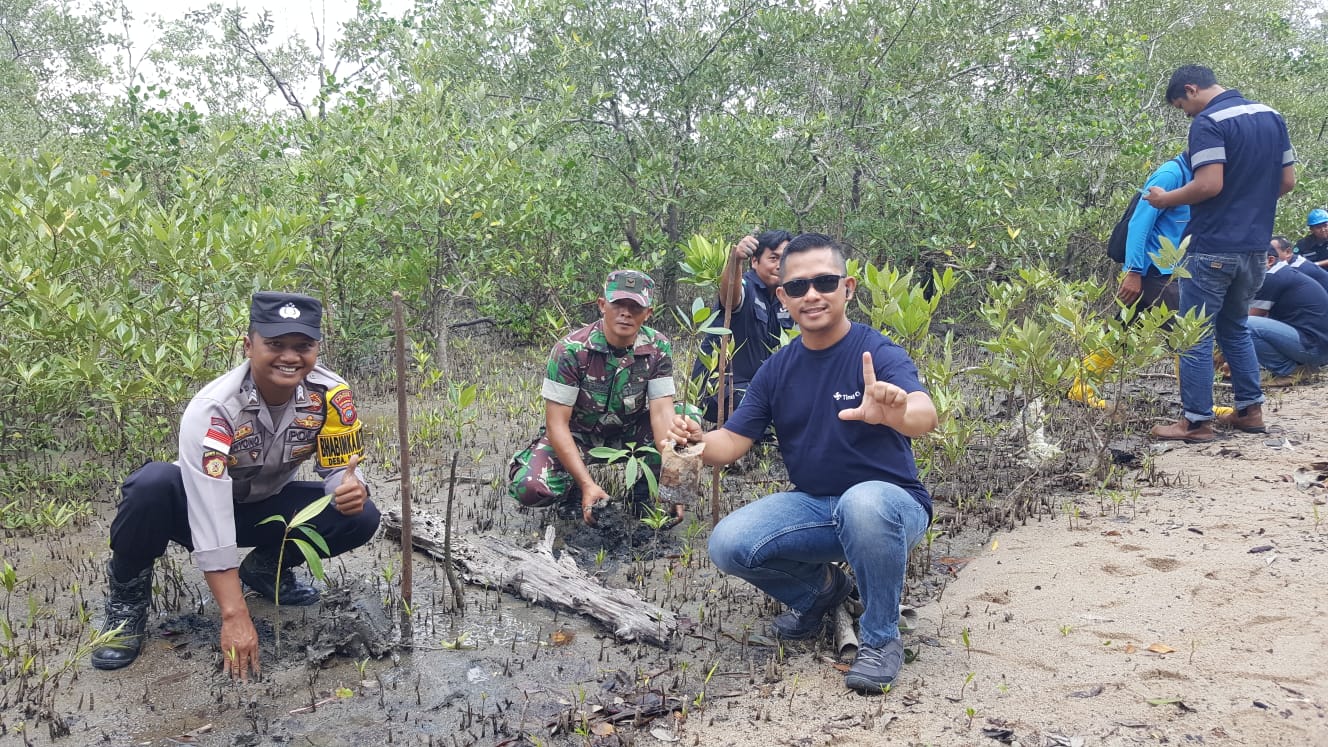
214 463
344 402
218 436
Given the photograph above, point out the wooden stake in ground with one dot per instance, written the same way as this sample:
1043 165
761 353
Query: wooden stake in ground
732 270
403 434
458 598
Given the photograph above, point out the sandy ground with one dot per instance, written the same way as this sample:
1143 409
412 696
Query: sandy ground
1192 615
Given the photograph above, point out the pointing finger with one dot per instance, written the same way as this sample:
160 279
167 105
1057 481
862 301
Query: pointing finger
868 372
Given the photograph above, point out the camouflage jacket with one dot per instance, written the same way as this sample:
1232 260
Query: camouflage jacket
234 448
609 390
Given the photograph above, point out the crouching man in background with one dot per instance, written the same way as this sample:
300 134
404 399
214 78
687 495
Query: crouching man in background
242 439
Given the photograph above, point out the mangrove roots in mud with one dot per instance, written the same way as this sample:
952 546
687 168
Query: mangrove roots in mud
535 574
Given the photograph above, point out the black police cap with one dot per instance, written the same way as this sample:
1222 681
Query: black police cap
273 314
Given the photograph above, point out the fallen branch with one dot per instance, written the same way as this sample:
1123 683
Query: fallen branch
535 574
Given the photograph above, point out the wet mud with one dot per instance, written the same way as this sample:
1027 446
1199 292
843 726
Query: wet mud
359 668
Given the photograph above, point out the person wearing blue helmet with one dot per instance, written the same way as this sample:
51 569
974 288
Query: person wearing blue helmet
1314 247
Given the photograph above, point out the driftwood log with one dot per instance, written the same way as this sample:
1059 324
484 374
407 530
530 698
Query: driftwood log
535 574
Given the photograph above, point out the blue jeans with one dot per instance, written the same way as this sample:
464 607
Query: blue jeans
1279 346
1221 286
782 543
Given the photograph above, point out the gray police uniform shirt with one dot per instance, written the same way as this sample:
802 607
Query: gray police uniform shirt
234 448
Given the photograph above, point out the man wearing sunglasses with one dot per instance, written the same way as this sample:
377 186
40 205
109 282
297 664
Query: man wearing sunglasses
758 320
606 384
846 402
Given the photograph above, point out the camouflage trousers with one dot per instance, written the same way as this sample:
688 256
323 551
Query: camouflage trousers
537 478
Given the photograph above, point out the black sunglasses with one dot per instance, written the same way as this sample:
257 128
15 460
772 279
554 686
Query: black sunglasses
822 283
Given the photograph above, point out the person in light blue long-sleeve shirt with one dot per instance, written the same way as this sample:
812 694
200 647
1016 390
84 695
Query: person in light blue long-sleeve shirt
1144 279
1143 282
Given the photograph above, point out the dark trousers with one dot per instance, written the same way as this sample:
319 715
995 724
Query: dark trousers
1158 290
153 512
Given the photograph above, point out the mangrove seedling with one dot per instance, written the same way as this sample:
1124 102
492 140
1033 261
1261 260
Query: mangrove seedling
300 521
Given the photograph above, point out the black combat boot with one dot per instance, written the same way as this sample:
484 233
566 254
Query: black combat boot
126 607
259 572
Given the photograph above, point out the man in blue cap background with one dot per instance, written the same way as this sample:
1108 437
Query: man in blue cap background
1314 247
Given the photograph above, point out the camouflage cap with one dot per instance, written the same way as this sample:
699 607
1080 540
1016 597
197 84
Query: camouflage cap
273 314
631 285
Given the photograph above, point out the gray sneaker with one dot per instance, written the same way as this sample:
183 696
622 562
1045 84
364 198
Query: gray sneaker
875 667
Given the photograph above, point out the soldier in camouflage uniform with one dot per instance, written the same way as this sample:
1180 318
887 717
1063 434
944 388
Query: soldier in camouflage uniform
607 384
242 439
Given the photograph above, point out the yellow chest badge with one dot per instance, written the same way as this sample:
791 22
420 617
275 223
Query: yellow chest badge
340 437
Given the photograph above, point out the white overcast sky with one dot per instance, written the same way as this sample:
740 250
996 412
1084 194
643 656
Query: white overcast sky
288 16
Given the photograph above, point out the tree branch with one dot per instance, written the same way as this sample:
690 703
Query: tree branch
286 91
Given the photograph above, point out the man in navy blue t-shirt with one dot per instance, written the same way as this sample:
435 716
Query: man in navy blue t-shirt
1286 252
846 402
757 318
1289 322
1243 162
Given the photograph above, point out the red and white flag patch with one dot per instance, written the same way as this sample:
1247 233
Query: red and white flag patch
218 436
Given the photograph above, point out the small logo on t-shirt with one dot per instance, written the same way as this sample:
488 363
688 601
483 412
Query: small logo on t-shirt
840 396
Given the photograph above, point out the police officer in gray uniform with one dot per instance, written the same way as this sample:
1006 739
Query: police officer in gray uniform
242 439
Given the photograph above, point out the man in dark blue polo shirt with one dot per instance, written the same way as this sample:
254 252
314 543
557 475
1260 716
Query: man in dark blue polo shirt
758 319
1314 246
1243 162
1287 253
1289 323
846 402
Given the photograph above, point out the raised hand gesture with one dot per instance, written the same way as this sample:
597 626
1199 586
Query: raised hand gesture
883 403
350 495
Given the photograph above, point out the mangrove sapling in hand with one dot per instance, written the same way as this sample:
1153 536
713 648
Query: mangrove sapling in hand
703 261
697 324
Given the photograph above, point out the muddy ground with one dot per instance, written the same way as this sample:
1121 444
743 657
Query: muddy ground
1185 607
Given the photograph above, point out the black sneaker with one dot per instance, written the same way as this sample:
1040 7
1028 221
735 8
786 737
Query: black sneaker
875 668
797 626
258 571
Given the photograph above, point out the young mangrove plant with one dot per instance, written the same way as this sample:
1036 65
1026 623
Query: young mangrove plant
313 539
636 461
